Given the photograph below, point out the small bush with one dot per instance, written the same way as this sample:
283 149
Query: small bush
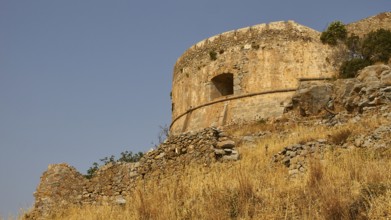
350 68
92 170
334 32
334 207
213 55
316 175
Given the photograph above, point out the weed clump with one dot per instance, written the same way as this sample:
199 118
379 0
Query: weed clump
340 136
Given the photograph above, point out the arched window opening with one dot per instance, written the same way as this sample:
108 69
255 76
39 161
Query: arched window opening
222 85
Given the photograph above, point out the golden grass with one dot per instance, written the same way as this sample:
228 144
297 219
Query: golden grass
20 215
348 184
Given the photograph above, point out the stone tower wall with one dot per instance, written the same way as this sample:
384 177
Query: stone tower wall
266 62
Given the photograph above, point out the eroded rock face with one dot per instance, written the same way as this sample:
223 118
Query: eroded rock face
344 100
372 87
364 26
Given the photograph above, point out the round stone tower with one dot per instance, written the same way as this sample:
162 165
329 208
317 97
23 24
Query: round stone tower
245 75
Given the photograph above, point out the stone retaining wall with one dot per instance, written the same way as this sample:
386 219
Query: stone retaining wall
62 185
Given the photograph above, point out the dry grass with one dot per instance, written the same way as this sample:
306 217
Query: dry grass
20 215
346 185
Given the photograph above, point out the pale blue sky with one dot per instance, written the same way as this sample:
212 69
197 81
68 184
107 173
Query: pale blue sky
85 79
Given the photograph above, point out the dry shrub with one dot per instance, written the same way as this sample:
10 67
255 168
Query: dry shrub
362 205
146 209
334 204
232 201
330 202
381 207
315 175
340 136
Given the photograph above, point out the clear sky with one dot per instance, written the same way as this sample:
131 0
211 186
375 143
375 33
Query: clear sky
85 79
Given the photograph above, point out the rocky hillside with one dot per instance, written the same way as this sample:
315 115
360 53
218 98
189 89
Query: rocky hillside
362 27
343 117
372 87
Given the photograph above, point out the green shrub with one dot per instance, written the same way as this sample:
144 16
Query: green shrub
129 157
334 32
377 46
350 68
92 170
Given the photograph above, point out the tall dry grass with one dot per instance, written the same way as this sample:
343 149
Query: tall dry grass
347 184
19 215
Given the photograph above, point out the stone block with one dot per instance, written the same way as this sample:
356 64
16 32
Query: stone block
226 144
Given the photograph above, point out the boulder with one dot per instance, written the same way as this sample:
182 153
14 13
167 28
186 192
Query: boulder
312 97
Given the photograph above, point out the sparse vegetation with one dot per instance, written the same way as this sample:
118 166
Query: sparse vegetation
164 132
126 156
129 157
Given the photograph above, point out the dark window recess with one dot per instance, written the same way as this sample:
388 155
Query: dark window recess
223 85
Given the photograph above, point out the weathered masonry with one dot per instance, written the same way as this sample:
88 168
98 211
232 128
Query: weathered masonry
245 75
